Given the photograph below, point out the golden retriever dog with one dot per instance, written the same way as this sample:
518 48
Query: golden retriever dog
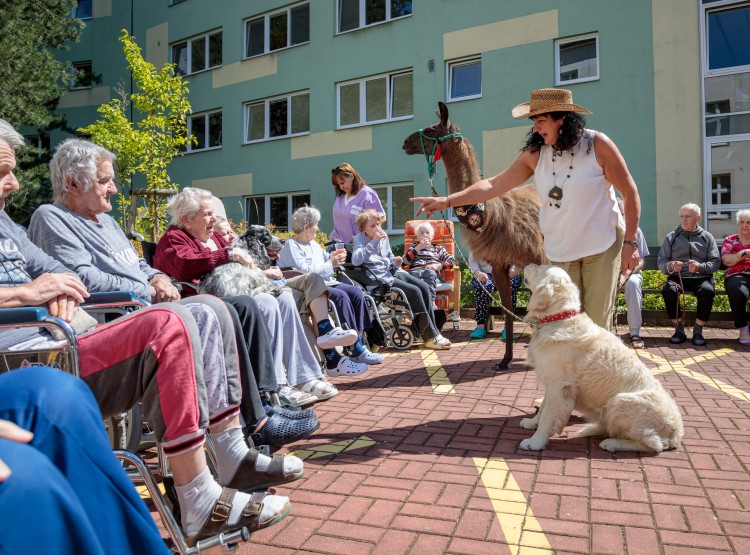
588 369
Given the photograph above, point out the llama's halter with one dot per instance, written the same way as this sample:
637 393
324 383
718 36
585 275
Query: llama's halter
436 153
432 158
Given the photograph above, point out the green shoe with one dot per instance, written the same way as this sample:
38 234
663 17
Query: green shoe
502 335
478 333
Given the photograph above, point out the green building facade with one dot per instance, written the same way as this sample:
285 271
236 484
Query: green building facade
283 92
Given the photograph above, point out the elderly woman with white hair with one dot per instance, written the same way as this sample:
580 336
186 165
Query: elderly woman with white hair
735 254
302 252
191 248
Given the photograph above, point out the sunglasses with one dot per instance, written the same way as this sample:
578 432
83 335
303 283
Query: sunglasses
336 171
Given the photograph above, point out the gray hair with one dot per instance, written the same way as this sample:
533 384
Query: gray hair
744 213
692 207
186 203
305 216
425 226
78 160
12 137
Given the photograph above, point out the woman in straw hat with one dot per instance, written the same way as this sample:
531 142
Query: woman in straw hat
576 171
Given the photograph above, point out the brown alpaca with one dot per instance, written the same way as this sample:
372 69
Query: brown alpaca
511 233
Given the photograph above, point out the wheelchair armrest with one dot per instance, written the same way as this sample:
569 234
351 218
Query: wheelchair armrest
109 297
23 315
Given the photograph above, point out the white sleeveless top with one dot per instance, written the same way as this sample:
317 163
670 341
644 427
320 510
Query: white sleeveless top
579 215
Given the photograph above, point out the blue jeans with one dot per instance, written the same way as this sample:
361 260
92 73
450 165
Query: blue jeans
67 493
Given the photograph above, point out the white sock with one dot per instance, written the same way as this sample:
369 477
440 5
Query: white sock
197 499
230 448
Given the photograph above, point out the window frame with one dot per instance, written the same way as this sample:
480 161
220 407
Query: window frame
388 206
266 117
267 206
77 67
189 148
363 14
568 40
450 66
363 99
267 30
706 10
74 11
188 45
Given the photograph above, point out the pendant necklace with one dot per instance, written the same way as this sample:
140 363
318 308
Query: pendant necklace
556 193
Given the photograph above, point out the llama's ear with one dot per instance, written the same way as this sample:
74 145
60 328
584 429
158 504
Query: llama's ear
443 113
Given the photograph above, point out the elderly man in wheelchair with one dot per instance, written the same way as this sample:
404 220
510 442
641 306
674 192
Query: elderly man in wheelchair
173 358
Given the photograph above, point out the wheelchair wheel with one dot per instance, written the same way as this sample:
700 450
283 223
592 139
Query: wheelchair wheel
125 430
401 337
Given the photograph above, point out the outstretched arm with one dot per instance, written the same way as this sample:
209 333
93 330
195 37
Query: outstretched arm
519 171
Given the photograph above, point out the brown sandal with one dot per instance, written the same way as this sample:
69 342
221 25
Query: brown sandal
250 519
249 478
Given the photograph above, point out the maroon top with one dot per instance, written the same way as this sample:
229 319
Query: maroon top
183 257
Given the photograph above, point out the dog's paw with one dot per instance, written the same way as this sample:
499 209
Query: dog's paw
533 444
529 423
610 444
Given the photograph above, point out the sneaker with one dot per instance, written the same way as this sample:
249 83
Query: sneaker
434 344
698 340
678 338
337 337
744 337
292 397
478 333
347 367
368 357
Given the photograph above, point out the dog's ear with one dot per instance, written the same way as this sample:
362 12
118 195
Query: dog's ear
541 298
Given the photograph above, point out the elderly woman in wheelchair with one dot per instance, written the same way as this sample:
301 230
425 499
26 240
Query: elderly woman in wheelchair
373 251
155 356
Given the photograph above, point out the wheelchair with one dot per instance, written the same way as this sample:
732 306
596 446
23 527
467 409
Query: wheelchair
65 358
388 306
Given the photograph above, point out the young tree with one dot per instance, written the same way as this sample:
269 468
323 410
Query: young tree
31 82
147 145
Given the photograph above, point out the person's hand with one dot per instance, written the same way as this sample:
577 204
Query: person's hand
273 273
9 430
238 255
63 307
423 244
397 260
676 266
694 266
435 267
338 257
629 262
380 234
430 205
481 276
51 287
162 289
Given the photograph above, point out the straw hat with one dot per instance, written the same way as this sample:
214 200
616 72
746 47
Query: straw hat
544 101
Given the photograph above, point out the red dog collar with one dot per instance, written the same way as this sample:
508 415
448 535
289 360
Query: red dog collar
558 316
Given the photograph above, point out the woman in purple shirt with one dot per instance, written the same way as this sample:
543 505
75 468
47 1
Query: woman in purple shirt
353 196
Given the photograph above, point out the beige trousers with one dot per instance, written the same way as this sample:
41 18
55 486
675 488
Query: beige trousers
304 289
596 278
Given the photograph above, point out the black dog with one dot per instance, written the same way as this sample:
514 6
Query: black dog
258 241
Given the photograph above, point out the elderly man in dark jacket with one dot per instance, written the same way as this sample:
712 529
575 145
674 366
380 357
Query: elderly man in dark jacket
689 256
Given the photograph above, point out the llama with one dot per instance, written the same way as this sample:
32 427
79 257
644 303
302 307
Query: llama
510 234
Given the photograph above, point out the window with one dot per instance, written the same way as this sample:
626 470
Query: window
277 30
375 99
82 10
197 54
355 14
577 60
206 130
275 209
274 118
726 36
395 201
83 76
464 79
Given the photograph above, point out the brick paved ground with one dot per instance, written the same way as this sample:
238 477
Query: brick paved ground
420 456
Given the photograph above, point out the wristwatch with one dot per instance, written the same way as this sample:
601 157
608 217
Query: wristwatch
633 244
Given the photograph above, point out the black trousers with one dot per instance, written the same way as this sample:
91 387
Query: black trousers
738 289
703 289
418 294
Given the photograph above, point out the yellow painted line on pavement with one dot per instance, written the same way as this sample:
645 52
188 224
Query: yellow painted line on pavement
680 366
334 448
441 384
523 533
143 490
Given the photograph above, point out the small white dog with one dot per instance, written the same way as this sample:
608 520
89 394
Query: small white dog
588 369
